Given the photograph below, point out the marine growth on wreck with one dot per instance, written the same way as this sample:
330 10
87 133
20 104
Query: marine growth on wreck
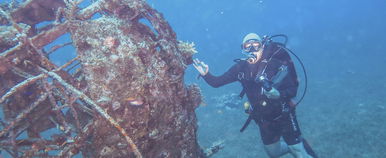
122 95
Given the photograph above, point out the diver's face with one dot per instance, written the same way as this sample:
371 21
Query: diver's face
258 54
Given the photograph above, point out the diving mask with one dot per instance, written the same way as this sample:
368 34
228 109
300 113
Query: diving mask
252 46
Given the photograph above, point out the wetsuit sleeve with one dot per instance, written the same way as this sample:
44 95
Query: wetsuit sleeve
288 90
226 78
289 87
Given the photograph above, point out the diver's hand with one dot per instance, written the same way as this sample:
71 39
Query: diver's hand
201 67
272 94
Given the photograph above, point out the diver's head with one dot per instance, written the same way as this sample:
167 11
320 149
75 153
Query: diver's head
251 43
252 46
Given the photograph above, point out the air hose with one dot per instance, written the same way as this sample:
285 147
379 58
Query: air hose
268 39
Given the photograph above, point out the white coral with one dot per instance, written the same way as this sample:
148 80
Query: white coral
187 47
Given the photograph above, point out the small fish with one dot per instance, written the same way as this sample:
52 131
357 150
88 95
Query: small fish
134 102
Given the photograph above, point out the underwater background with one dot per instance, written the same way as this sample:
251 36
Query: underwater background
342 44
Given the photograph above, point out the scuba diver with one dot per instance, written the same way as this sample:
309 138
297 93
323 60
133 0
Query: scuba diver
269 81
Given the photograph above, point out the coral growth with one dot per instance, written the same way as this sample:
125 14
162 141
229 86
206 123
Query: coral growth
122 96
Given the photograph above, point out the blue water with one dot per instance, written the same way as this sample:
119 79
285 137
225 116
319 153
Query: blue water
341 42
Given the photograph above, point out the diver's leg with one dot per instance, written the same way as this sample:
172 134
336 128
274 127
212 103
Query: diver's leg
298 151
292 136
270 135
276 149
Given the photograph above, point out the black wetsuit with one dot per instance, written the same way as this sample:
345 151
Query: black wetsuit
275 117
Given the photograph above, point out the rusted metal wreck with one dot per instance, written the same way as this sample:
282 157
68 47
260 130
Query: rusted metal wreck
123 94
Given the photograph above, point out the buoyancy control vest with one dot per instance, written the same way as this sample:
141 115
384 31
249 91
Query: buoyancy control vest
272 51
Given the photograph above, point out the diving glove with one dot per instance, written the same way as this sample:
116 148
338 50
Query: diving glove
272 94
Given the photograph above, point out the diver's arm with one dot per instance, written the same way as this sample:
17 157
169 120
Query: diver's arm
284 78
218 81
288 92
290 84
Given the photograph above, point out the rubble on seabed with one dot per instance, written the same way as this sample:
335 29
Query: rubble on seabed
228 101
